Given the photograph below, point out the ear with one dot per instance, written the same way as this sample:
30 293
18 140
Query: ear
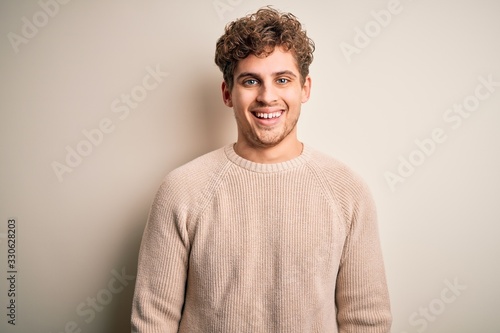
306 89
226 95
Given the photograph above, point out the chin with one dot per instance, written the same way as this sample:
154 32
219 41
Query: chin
269 143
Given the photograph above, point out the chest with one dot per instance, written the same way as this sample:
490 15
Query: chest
268 229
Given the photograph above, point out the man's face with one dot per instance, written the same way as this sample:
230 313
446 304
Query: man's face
266 97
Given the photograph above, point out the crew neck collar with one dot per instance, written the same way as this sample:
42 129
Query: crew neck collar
267 167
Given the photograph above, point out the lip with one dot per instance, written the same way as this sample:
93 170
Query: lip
267 110
267 121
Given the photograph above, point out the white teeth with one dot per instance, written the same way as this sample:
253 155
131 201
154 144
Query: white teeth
268 115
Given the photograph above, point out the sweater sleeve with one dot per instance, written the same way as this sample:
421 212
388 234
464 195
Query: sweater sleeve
361 294
162 268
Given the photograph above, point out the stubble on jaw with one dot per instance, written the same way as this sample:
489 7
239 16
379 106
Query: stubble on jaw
266 139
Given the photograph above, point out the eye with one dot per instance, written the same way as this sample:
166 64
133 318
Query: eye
250 82
282 80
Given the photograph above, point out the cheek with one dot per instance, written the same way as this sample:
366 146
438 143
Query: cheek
242 100
293 98
239 107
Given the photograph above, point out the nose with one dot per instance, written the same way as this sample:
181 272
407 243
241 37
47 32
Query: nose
267 94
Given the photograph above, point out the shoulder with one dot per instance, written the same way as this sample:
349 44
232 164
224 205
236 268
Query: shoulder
188 182
336 173
199 168
344 185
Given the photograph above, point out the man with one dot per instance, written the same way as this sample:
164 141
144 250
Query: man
267 234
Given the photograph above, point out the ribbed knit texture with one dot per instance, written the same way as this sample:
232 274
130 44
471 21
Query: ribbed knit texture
236 246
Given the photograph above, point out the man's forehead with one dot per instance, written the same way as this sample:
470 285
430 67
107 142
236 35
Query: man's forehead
277 62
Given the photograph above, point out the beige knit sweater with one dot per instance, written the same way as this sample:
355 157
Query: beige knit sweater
233 246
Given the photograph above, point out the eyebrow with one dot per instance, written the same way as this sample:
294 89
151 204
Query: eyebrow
246 74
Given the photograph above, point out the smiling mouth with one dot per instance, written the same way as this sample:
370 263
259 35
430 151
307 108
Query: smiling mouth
267 115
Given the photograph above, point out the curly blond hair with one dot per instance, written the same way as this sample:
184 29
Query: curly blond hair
259 34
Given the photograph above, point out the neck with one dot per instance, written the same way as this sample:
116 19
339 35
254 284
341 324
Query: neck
282 152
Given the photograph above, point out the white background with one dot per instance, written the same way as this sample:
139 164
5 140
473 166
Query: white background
439 224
